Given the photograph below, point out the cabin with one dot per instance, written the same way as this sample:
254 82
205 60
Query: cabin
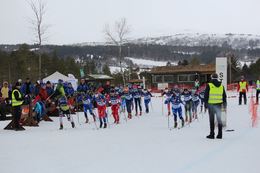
185 75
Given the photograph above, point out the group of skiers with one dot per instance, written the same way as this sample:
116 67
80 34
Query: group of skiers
190 99
86 98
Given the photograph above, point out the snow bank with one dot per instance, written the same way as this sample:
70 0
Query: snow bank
142 145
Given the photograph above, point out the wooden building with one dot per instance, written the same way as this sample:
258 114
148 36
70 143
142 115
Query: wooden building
168 76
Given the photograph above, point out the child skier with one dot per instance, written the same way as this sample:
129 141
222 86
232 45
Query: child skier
114 100
188 104
87 101
101 107
176 108
65 110
147 98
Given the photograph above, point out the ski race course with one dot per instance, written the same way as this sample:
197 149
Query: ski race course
141 145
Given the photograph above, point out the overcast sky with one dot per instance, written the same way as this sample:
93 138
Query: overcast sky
75 21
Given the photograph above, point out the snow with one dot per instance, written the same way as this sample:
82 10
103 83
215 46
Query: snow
143 144
114 69
147 63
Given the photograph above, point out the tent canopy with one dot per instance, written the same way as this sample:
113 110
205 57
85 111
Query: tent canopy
53 78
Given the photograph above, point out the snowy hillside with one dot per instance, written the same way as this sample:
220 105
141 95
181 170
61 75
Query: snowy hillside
141 145
237 41
142 63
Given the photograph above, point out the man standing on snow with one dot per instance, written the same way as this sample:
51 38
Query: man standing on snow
242 89
17 101
215 97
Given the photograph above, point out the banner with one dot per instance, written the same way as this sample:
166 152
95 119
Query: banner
221 70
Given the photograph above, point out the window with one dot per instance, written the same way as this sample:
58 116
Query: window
193 77
168 78
183 78
158 79
187 77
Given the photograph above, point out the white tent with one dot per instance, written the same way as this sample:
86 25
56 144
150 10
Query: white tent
53 78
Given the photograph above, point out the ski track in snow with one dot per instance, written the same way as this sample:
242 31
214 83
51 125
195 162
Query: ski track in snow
143 144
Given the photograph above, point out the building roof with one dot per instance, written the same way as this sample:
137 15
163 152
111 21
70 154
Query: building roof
98 77
206 69
135 81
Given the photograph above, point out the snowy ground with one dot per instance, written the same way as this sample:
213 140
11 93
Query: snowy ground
141 145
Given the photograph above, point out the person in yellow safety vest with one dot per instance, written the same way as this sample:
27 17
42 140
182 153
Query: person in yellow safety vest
215 98
242 89
17 101
257 89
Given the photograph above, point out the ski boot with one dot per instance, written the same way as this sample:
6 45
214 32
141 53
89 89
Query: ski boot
186 118
140 113
182 122
61 126
87 120
105 125
94 117
72 124
175 124
210 136
130 116
101 124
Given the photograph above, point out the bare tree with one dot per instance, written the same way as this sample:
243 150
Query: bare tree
39 28
118 36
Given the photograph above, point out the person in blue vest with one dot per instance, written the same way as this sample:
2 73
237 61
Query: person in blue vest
128 101
176 108
69 90
49 88
215 98
27 88
87 100
82 87
147 99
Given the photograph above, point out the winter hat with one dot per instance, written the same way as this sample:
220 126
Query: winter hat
214 76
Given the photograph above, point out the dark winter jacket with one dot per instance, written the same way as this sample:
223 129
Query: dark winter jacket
217 84
27 88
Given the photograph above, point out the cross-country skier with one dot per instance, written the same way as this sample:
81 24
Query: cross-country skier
128 101
168 95
195 104
137 99
101 107
147 99
176 108
188 104
64 111
114 100
64 108
202 101
87 101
